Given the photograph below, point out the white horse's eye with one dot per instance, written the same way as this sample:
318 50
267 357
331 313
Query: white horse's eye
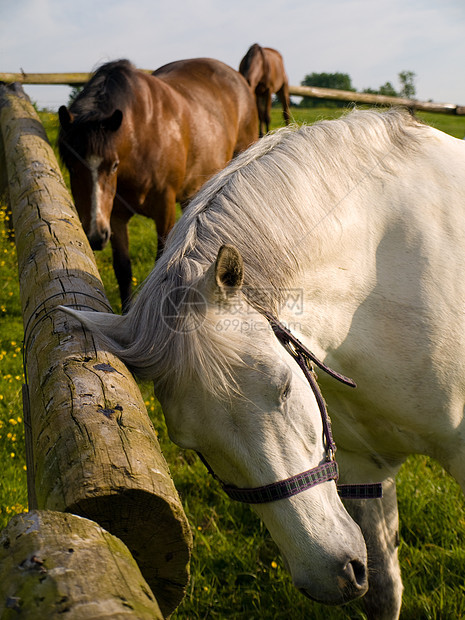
286 390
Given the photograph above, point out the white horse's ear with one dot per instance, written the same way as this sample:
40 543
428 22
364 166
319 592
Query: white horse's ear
229 268
224 277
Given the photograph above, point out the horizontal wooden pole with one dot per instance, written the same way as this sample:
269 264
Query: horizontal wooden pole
371 99
314 92
45 78
67 79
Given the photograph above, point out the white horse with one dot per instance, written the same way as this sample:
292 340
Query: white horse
352 233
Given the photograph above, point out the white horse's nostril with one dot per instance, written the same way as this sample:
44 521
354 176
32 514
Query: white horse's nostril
353 579
356 570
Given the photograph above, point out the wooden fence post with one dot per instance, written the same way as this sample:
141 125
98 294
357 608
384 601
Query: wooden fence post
94 449
55 565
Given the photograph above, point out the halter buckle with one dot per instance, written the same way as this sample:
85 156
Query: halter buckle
330 454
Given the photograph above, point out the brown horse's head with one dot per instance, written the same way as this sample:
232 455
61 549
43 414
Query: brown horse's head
89 143
93 171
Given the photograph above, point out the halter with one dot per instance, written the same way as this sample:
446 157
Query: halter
322 473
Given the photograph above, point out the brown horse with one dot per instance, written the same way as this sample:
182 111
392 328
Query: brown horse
138 143
263 68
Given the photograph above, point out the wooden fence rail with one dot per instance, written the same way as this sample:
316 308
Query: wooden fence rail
382 100
78 79
91 449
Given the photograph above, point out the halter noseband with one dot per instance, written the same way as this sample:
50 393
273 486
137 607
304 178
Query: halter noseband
322 473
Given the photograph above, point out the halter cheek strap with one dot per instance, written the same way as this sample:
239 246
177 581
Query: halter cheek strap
322 473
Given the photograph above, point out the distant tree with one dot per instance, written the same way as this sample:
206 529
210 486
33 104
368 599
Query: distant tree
407 90
339 81
388 90
406 79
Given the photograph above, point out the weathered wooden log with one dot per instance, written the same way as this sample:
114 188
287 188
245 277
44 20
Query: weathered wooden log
91 447
370 98
55 565
76 79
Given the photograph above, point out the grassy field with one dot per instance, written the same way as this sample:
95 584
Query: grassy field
236 569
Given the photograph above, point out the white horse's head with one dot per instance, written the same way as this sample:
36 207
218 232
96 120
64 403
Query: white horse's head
259 425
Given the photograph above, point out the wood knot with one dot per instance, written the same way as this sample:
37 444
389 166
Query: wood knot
105 367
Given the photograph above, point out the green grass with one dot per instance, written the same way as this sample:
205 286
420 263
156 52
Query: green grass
13 493
449 123
236 569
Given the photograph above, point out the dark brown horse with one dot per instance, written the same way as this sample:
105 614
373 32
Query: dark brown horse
263 68
137 143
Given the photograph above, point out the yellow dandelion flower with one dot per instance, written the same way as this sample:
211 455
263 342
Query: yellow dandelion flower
274 564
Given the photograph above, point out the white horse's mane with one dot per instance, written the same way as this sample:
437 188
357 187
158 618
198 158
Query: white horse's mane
265 203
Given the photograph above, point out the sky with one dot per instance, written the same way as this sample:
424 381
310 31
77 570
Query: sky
371 40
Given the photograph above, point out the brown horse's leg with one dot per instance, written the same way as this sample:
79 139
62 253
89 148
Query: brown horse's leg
261 108
268 111
165 217
283 96
121 262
